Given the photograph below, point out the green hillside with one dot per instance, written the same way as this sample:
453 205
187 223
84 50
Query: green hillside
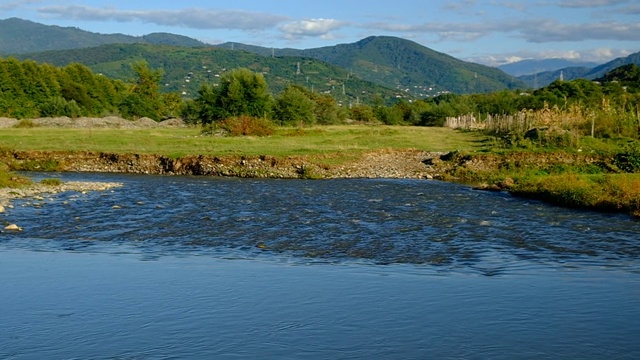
186 69
19 36
402 64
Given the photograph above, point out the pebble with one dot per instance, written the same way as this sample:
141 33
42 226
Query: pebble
13 227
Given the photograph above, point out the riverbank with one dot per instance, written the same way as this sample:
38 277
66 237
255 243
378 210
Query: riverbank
566 179
384 163
39 191
576 180
587 179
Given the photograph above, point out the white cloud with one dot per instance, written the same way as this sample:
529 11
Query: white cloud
15 5
535 31
194 18
552 31
311 28
590 3
597 55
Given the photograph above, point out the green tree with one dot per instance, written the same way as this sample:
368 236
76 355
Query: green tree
293 106
362 113
144 97
240 92
327 110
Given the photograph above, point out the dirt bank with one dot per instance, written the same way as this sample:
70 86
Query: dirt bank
375 164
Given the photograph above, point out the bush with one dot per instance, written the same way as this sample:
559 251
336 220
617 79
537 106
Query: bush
629 159
25 124
241 126
51 182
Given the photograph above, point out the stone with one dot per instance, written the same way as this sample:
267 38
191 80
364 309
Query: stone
2 209
13 227
507 183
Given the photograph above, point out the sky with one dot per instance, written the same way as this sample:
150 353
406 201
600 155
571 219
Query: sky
490 32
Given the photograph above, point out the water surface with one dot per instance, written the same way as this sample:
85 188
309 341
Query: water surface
189 267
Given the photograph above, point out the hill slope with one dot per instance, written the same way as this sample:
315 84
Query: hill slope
402 64
530 67
572 73
19 36
186 69
391 62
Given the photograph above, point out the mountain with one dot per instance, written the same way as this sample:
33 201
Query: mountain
19 36
186 69
402 64
530 66
571 73
410 68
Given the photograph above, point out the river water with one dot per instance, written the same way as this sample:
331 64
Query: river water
194 267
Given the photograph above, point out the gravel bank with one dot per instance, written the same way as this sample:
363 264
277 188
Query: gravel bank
112 122
38 191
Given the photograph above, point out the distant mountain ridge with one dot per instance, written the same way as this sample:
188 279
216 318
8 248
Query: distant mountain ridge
571 73
401 64
19 36
410 69
531 66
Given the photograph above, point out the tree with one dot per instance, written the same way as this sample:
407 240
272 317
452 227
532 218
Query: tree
293 106
240 92
362 113
144 98
327 110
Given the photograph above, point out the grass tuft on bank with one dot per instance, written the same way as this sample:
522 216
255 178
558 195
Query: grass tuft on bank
606 192
9 179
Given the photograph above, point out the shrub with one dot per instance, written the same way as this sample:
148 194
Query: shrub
241 126
51 182
25 124
629 159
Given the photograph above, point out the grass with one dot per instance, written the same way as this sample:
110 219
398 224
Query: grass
608 192
11 180
285 142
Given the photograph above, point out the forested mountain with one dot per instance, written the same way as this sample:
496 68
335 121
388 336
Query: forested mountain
391 62
401 64
186 69
572 73
530 66
19 36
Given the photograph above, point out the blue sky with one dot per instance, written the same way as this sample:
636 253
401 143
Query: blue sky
489 32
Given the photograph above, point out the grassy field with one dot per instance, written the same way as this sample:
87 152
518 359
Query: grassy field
286 141
568 185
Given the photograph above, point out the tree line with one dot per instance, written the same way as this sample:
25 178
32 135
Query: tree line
31 90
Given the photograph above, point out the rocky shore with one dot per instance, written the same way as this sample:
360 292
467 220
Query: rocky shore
39 191
385 163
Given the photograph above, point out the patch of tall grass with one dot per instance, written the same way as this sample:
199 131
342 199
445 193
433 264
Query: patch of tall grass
11 180
608 192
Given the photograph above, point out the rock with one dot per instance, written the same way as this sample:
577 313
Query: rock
507 183
13 227
487 187
2 209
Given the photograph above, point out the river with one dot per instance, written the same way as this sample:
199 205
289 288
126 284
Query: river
194 267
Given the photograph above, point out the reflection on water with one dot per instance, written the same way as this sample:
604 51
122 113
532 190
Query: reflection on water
340 269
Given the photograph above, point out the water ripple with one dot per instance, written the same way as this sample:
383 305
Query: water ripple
425 223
